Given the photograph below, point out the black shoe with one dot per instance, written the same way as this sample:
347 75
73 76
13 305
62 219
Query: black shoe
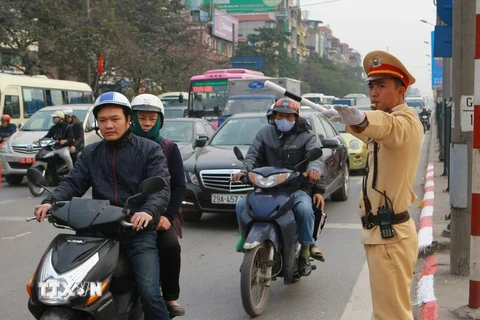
175 311
304 267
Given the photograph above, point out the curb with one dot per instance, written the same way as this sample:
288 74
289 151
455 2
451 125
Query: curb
425 292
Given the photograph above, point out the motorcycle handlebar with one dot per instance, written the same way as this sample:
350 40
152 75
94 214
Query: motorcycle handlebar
126 224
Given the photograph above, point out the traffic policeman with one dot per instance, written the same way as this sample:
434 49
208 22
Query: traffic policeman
394 135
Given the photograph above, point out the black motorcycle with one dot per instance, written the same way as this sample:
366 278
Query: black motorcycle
50 165
94 279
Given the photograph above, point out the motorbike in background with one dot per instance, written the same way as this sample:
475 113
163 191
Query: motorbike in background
50 165
425 122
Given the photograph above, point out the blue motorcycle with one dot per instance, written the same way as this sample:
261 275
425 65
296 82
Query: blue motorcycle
270 232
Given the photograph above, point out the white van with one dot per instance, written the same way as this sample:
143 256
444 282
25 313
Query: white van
318 98
21 96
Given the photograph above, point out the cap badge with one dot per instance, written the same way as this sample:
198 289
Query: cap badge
376 62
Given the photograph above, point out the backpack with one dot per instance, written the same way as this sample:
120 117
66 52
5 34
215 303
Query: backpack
177 222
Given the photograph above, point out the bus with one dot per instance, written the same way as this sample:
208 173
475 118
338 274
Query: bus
210 90
21 95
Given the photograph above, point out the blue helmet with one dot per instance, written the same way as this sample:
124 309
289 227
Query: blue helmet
112 98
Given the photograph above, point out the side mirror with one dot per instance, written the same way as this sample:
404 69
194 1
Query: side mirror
151 185
19 125
34 176
330 143
216 110
201 141
180 98
239 154
314 154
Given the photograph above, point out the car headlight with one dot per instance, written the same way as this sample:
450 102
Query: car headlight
354 144
193 177
52 286
268 182
6 147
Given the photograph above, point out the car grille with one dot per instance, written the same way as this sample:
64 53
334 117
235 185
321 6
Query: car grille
220 180
26 149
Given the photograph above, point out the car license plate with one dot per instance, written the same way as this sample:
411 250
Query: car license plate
27 160
227 198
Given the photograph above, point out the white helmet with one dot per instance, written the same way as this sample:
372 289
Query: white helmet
112 98
147 102
68 112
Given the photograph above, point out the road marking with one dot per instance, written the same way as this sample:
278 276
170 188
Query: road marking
6 201
343 225
359 306
13 219
17 236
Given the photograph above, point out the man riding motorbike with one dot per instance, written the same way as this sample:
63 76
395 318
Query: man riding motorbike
286 144
424 113
62 132
6 128
78 133
114 168
148 115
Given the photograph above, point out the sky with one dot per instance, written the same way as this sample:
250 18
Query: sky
389 25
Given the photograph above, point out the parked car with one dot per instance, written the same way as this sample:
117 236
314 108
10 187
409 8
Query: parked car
176 112
357 149
17 154
210 168
187 133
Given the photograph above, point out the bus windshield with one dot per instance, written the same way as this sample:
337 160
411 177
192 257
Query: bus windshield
207 94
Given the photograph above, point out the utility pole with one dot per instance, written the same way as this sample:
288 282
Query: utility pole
460 173
233 39
89 67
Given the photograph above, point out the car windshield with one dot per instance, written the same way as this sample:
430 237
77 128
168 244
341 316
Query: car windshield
178 131
174 113
247 105
238 131
42 120
173 102
339 126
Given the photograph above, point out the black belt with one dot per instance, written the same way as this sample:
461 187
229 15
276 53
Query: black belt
369 223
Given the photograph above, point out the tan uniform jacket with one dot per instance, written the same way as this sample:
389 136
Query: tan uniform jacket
399 137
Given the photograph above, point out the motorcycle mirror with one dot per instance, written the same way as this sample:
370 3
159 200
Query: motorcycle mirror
238 154
35 177
314 154
152 185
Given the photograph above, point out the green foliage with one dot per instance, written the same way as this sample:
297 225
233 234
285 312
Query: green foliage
141 39
317 74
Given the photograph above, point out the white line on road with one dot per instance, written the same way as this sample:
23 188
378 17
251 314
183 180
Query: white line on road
359 306
343 225
12 219
17 236
6 201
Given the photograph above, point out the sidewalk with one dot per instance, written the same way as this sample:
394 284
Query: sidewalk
451 292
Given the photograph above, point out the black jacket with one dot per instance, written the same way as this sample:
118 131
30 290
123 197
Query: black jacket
271 147
115 170
61 131
8 130
78 134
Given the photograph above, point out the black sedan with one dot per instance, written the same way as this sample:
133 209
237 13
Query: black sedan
210 168
185 131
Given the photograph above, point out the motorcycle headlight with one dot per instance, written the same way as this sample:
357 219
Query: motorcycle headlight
59 289
354 144
193 177
268 182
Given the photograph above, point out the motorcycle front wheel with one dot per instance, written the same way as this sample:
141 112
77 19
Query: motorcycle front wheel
253 280
34 190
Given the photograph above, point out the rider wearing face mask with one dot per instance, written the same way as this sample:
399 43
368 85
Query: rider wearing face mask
285 144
